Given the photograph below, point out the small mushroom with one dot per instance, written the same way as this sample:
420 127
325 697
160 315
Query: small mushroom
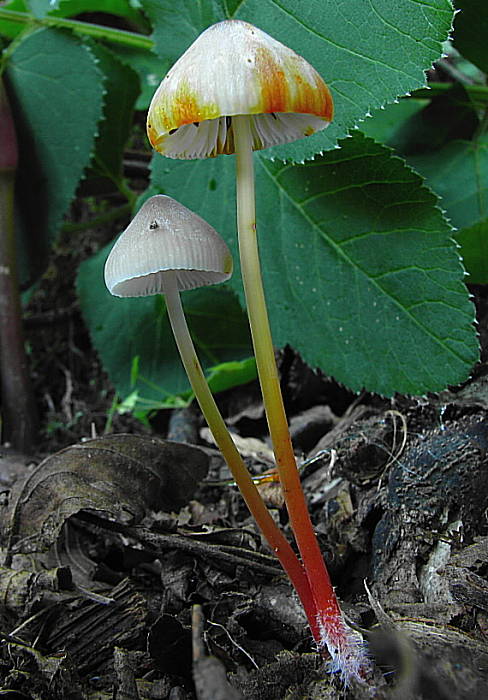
167 249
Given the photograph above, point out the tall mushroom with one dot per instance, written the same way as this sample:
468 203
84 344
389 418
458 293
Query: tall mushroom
167 249
236 90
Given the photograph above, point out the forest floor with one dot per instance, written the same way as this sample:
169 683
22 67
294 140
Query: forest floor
133 570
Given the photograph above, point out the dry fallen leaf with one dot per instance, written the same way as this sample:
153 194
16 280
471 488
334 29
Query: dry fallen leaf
123 476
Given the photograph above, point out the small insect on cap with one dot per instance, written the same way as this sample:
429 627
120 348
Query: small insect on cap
164 235
234 68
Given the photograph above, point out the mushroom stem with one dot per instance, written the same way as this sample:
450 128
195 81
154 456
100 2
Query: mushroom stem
330 620
280 546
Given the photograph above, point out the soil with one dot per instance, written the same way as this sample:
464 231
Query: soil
133 570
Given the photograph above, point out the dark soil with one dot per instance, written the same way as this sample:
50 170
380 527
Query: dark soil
132 569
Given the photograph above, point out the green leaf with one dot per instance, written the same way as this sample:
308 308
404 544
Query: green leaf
124 329
458 173
445 143
229 374
57 95
474 250
388 125
122 89
148 67
471 31
8 28
361 275
368 52
70 8
176 25
414 126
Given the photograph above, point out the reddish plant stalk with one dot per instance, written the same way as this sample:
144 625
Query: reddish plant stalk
334 635
19 415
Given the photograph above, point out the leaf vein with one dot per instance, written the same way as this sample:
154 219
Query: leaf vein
320 232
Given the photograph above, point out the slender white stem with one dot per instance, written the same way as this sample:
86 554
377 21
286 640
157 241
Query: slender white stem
264 350
255 299
191 363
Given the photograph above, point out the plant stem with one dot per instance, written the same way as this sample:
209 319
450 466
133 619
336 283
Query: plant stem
330 616
247 487
117 36
18 406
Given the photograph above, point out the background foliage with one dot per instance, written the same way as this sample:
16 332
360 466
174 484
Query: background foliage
362 274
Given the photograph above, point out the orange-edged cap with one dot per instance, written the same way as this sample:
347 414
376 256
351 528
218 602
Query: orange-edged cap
234 68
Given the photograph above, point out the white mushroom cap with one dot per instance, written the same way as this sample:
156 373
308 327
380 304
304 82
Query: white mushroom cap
234 68
164 235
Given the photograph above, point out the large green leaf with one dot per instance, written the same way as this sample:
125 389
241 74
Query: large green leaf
368 51
57 95
125 329
361 274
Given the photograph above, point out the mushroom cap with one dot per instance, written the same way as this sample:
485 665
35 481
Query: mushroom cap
164 235
235 68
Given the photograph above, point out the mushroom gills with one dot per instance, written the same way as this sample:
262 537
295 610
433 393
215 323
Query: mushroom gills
187 279
213 137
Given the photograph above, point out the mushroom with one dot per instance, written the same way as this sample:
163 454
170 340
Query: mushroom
167 249
235 77
236 90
